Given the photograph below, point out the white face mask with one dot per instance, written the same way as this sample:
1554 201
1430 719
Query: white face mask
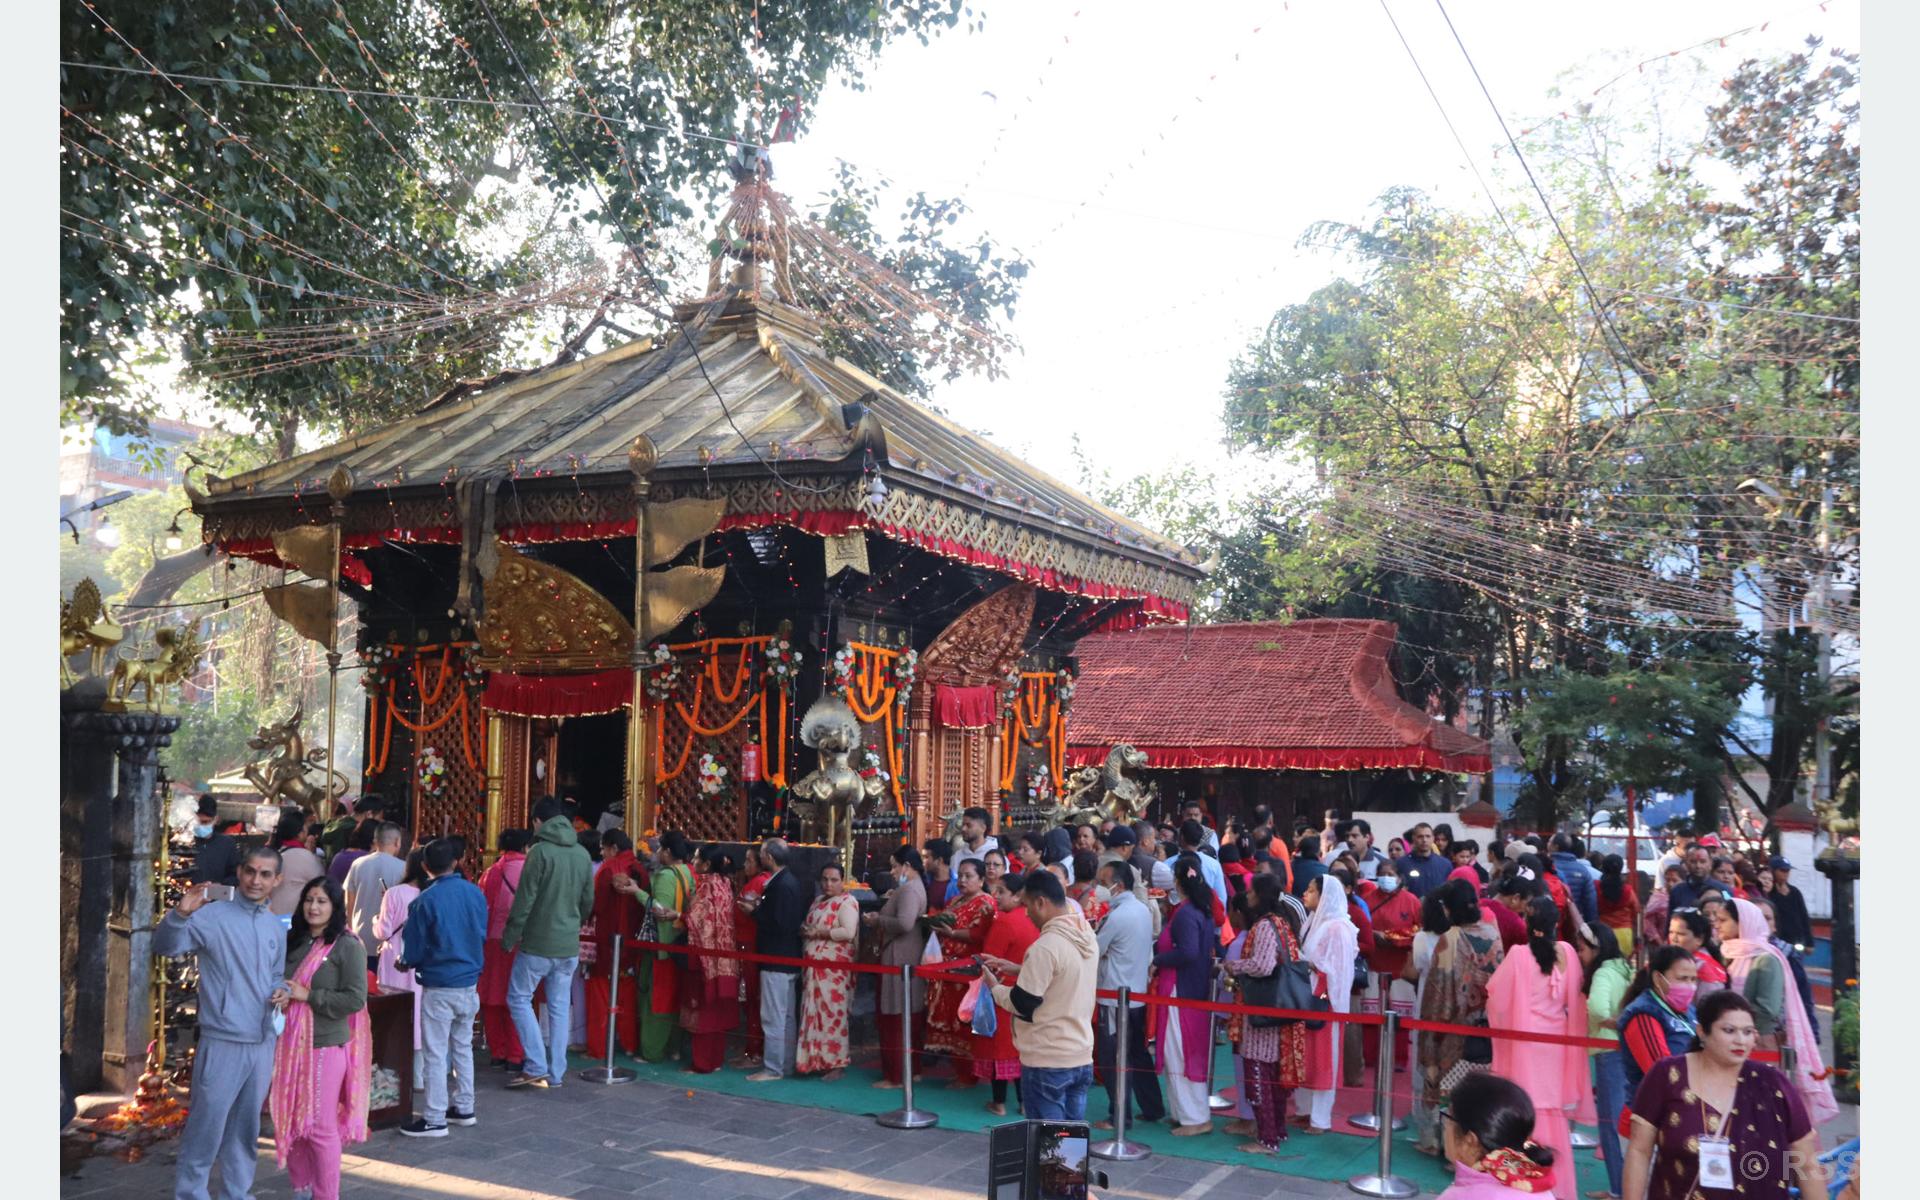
1389 883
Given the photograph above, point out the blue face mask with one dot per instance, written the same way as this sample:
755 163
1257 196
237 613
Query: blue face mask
1389 883
203 831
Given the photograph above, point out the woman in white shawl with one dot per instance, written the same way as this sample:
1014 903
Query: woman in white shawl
1329 943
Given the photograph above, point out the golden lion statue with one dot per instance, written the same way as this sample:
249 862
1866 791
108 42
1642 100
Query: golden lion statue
179 654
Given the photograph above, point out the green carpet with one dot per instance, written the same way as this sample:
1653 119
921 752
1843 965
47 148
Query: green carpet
1329 1156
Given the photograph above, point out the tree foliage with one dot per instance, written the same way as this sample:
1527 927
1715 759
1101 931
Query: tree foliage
336 259
1543 453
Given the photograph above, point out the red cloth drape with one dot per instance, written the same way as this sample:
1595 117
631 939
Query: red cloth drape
964 707
1358 758
558 695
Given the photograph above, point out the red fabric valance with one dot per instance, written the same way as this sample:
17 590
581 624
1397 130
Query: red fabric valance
1267 758
558 695
1151 610
964 707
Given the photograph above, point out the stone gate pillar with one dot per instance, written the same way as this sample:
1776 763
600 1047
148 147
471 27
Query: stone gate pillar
109 819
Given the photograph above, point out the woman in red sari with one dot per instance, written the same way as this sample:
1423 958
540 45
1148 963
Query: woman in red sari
746 932
1011 934
710 985
963 930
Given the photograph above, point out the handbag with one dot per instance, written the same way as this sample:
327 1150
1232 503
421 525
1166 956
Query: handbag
1478 1050
1290 986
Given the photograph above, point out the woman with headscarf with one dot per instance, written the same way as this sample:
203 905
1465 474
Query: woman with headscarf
1330 944
709 984
1757 970
1538 991
1183 968
1464 961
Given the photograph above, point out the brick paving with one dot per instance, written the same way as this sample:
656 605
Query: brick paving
586 1142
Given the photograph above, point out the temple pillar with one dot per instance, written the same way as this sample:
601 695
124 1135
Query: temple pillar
920 766
110 818
496 786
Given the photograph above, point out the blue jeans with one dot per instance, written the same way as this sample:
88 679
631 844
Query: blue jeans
529 971
1610 1096
1055 1093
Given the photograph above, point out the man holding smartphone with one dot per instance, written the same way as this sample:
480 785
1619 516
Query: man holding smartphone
243 956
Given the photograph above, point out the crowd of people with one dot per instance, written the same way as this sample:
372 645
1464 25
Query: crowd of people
1019 937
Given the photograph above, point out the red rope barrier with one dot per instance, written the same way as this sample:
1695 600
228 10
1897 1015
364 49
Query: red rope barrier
952 971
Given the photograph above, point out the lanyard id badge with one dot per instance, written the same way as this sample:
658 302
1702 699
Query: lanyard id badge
1716 1164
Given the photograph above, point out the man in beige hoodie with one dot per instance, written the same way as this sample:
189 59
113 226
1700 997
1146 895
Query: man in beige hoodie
1050 1003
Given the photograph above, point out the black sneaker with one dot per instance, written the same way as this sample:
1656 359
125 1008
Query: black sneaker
461 1118
418 1127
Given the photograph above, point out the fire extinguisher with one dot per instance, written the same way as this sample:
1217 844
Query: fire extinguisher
750 762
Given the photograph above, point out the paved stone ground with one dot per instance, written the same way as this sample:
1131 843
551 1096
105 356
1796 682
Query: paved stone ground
586 1142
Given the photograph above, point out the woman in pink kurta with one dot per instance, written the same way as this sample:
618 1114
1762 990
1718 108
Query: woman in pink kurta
389 927
1537 990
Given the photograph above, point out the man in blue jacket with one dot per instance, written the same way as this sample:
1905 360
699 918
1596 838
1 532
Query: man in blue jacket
445 935
1578 877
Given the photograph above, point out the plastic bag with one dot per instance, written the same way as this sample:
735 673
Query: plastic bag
986 1014
971 998
930 957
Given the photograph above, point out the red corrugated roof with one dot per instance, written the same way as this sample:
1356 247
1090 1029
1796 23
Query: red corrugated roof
1311 694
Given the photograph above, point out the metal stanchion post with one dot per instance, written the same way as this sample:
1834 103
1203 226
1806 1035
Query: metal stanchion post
1368 1120
1119 1149
907 1116
609 1073
1384 1183
1215 1101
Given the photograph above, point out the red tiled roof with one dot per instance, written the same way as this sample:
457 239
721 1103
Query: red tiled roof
1309 695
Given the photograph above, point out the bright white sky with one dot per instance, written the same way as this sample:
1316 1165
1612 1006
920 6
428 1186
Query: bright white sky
1140 300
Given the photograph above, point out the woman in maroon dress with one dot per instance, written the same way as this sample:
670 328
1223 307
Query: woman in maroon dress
1711 1117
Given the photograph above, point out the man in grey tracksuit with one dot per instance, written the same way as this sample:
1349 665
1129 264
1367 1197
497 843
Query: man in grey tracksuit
243 956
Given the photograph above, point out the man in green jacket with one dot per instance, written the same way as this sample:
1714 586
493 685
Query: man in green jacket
554 897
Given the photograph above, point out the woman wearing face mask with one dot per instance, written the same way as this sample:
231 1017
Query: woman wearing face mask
1723 1124
902 941
1330 943
1488 1134
1689 929
1395 915
1656 1017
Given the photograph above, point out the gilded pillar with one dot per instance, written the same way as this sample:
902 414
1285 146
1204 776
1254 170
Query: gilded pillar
496 785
